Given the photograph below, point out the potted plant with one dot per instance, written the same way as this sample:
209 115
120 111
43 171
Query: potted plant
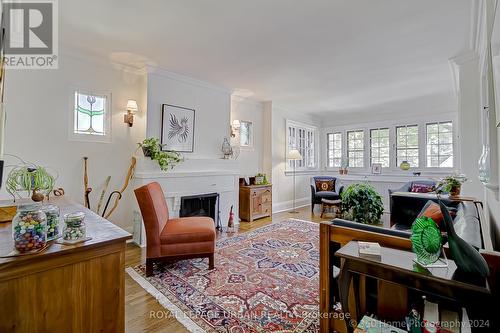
33 179
362 203
260 179
151 148
451 184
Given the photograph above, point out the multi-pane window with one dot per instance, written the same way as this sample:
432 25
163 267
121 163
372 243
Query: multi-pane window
439 145
355 149
379 146
302 138
407 145
90 114
246 133
334 147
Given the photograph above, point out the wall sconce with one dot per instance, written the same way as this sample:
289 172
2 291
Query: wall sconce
235 127
131 109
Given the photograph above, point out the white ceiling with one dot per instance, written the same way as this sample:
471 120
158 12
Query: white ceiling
309 56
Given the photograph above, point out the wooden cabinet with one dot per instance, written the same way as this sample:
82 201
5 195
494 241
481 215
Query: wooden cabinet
256 201
66 288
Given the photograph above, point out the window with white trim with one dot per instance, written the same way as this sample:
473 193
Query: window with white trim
303 138
334 147
355 149
407 147
379 147
439 143
246 134
90 117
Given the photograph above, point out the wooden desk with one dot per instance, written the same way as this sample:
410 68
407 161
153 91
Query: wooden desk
397 267
66 288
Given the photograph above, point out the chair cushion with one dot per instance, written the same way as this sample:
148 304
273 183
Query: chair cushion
327 195
188 230
325 185
432 211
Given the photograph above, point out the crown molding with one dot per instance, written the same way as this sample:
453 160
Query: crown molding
156 70
91 57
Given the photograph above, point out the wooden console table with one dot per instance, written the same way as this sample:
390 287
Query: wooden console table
397 267
66 288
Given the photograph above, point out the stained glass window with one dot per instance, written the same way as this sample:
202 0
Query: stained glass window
90 113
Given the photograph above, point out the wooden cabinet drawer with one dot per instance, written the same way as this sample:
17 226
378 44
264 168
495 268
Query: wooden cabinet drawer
267 209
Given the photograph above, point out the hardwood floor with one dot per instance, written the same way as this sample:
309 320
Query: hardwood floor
144 314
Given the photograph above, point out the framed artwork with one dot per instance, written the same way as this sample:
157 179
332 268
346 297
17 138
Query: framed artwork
177 128
377 168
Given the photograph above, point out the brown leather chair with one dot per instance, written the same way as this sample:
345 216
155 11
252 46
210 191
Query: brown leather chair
173 239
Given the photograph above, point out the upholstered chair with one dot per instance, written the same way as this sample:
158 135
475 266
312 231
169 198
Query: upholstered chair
317 193
172 239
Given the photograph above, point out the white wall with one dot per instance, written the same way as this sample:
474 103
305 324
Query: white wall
211 103
38 106
250 160
283 181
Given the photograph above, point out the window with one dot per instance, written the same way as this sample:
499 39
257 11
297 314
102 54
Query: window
246 134
355 149
440 145
407 145
91 119
379 140
334 146
303 138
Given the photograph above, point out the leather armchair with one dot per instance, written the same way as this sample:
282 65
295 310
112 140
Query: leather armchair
172 239
316 196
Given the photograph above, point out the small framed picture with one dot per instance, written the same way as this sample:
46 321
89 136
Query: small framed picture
377 168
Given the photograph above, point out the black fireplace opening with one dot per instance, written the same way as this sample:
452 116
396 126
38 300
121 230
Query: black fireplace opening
201 205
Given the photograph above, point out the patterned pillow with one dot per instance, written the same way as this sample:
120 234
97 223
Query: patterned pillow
325 185
421 188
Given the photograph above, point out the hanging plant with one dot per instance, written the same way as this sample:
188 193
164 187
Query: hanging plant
151 148
33 179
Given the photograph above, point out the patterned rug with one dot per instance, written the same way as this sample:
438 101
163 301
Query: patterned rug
264 280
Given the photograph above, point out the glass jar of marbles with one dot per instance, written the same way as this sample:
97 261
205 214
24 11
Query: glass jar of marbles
52 212
29 228
74 226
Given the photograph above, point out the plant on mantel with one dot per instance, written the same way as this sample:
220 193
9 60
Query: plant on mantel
151 148
362 203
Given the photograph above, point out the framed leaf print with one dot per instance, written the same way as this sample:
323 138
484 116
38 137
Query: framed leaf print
177 128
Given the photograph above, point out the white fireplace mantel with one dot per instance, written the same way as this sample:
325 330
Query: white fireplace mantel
190 177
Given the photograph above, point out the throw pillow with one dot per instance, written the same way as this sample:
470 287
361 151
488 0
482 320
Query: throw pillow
325 185
421 188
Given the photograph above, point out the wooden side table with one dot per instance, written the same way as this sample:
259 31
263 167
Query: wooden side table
397 267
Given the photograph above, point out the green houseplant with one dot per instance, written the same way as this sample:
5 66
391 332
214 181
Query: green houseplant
362 203
151 148
451 184
33 179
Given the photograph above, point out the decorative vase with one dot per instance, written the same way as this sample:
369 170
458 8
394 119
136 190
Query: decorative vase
455 191
226 149
484 165
405 166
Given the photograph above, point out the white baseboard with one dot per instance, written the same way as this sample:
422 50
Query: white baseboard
287 205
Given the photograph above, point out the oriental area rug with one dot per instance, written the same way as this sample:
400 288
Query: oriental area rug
265 280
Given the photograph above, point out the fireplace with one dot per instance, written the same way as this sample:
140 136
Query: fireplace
201 205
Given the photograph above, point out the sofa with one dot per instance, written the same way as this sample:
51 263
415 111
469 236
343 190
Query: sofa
408 186
465 214
316 195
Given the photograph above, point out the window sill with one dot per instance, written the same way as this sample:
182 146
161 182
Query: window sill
302 172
